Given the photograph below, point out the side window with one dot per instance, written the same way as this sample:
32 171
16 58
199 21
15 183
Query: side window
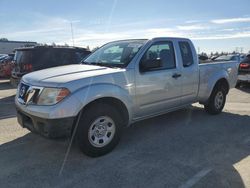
162 53
186 54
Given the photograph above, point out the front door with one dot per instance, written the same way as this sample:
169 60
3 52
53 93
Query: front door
158 88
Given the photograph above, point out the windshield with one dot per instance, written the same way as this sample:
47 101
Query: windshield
115 54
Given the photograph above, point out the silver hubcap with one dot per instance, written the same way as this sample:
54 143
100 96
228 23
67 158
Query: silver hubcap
101 131
218 102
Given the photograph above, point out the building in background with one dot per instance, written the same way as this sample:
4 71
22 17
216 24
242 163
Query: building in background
7 47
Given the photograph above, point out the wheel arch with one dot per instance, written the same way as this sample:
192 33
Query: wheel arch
119 104
222 82
114 102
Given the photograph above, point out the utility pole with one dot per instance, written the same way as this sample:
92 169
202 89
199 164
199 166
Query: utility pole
241 50
237 49
72 34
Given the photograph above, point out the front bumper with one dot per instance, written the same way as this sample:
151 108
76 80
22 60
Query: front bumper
244 77
52 128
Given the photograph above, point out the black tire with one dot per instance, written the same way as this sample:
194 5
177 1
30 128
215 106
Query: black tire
211 106
89 116
238 84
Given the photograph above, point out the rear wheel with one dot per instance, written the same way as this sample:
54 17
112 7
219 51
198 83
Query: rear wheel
99 130
216 101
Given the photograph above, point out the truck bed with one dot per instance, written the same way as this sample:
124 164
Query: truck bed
211 72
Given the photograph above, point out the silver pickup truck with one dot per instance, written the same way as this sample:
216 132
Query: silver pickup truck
120 83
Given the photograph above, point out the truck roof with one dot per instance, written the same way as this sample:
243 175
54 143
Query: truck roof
155 38
171 38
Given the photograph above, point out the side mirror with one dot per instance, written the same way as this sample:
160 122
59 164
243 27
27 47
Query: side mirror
146 65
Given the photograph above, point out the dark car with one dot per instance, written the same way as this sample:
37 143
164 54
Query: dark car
41 57
6 65
203 58
244 71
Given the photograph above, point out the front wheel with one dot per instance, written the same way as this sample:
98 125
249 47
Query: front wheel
216 101
99 130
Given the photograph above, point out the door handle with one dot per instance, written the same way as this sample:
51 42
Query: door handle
176 75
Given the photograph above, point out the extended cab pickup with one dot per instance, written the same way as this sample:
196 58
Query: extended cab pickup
120 83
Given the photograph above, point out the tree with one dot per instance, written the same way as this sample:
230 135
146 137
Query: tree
4 39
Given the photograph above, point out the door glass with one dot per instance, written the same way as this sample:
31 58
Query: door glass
162 51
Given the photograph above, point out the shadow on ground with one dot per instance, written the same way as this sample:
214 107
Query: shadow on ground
7 107
161 152
244 87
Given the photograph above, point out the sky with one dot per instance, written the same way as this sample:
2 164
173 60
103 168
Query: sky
214 25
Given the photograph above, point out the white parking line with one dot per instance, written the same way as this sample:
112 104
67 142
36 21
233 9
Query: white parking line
196 178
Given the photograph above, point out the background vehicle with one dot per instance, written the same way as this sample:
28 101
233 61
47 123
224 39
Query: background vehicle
231 57
120 83
3 56
244 71
203 58
6 65
242 57
41 57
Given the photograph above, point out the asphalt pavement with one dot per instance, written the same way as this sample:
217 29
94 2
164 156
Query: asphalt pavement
186 148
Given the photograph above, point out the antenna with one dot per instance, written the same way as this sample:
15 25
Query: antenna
72 34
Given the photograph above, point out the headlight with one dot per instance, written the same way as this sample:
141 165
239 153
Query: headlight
50 96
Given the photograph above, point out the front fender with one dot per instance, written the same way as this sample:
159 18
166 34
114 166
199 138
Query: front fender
93 92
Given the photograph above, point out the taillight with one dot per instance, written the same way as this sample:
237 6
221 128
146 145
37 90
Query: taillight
244 65
27 67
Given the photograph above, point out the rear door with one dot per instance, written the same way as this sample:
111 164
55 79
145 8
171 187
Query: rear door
158 89
190 72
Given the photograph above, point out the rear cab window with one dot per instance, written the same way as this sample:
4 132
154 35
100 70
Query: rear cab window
186 54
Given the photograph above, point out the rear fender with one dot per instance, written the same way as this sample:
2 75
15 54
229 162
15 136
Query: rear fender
213 79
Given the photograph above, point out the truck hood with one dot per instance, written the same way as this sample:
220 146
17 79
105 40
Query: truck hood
64 74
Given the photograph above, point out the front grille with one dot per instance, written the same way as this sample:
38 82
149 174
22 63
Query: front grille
28 94
23 89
